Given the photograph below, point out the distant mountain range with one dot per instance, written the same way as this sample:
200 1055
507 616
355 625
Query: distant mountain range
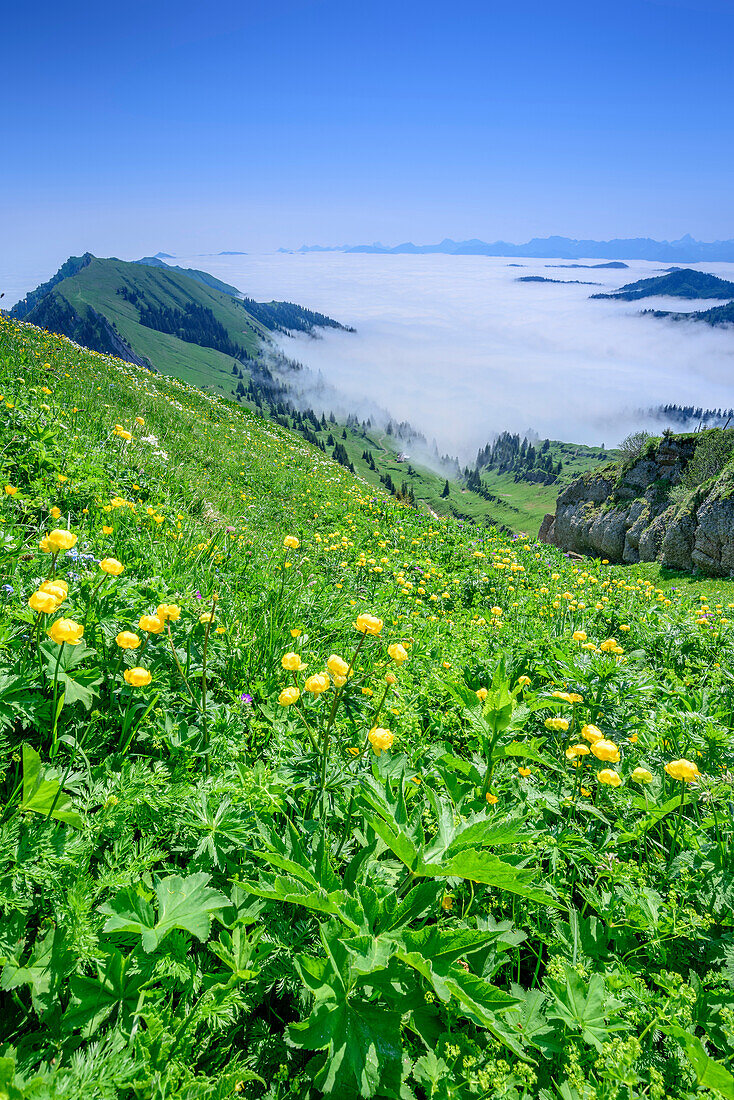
685 250
680 283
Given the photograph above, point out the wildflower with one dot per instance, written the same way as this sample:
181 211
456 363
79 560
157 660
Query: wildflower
168 611
290 542
397 652
292 662
609 646
127 640
523 681
140 420
206 617
54 512
447 903
60 540
57 588
559 724
317 684
368 624
592 733
353 750
337 666
152 623
43 602
288 696
524 772
137 677
296 632
391 678
11 490
482 694
684 770
380 739
107 530
633 739
111 566
492 799
579 636
577 750
641 775
610 777
605 750
65 630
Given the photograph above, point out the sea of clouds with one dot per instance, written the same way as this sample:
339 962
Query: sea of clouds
458 347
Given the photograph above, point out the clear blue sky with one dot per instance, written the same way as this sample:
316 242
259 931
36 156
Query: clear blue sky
131 127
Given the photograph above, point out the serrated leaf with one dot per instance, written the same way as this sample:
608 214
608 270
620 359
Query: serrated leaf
44 795
115 989
185 903
709 1073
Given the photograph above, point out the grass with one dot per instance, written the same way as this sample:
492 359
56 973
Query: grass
479 846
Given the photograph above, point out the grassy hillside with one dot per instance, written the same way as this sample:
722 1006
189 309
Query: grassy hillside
305 793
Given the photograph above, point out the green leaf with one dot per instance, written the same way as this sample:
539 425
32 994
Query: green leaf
483 867
116 988
583 1008
709 1073
185 903
42 795
46 967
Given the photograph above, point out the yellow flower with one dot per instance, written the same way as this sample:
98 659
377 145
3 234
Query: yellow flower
62 477
368 624
290 542
11 490
289 695
111 566
127 640
61 540
482 694
43 602
684 770
317 684
137 677
152 623
633 739
641 775
56 588
140 420
524 681
391 678
447 903
605 750
579 636
610 777
221 630
492 799
168 611
292 662
107 530
54 512
609 646
524 772
206 617
592 733
65 630
559 724
624 628
380 739
397 652
577 750
296 632
337 666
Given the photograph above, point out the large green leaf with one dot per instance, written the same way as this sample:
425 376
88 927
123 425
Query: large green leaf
709 1073
116 988
47 965
44 795
483 867
583 1008
185 903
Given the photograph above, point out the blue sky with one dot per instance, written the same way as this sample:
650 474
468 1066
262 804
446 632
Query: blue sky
133 127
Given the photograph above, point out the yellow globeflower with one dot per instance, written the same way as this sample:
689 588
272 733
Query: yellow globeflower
317 684
61 540
11 490
605 750
290 542
65 630
482 694
206 617
683 769
107 530
523 681
610 777
397 652
559 724
577 750
167 611
380 739
43 602
492 799
137 677
111 566
56 588
579 636
289 695
592 733
447 903
292 662
127 640
368 624
641 775
152 623
54 512
524 772
139 420
337 666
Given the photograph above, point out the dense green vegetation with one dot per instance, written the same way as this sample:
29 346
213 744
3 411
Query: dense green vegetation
305 793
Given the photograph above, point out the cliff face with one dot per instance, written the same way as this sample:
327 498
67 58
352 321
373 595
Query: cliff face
625 515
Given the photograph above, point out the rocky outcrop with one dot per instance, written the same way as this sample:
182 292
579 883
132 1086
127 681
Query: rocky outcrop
625 514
